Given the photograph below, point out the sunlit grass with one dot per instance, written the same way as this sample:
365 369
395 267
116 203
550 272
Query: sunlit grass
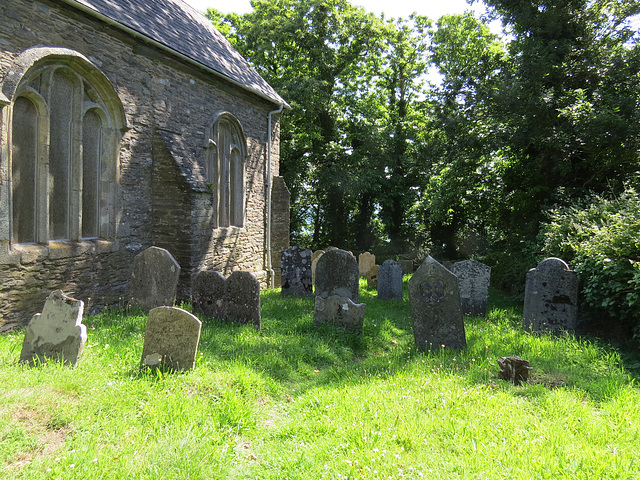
296 401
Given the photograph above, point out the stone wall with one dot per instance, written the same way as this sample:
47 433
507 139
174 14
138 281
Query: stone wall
163 199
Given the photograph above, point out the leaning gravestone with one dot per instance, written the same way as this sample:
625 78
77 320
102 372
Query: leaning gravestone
435 307
57 333
296 274
337 286
171 339
551 297
154 280
366 261
339 311
337 274
390 281
207 292
473 281
236 298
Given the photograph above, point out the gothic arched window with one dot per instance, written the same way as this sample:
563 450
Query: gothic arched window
225 170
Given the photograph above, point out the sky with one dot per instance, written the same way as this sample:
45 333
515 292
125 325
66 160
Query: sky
433 9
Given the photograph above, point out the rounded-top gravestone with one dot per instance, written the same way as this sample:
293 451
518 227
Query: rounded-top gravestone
551 297
337 274
154 280
390 281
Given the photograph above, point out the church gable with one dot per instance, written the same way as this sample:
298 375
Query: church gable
117 134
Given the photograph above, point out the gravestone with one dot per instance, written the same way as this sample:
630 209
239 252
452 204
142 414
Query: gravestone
473 282
171 339
236 298
407 266
296 272
390 281
154 280
207 293
337 274
339 311
242 299
372 277
57 333
435 307
551 297
314 263
337 291
366 261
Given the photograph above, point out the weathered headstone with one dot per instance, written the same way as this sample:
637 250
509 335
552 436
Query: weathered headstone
551 297
337 274
314 263
390 281
236 298
339 311
242 299
366 261
407 266
207 293
57 333
171 339
435 307
337 291
154 280
473 281
296 277
372 277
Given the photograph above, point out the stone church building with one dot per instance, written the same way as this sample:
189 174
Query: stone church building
126 124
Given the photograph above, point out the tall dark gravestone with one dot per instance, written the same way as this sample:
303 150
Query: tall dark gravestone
390 281
296 276
435 307
551 297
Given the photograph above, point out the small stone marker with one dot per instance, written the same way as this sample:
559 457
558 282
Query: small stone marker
57 333
390 281
171 339
337 274
154 280
551 297
435 307
236 298
473 281
314 262
514 370
339 311
366 261
296 272
207 293
372 277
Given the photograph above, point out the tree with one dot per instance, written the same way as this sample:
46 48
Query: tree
569 106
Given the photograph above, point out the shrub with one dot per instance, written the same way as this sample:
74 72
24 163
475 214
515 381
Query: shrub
601 237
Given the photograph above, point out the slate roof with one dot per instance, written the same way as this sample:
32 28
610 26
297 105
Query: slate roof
183 29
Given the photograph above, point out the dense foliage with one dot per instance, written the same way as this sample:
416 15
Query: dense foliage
601 237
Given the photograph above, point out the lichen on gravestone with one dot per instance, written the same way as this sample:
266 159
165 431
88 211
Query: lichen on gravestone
57 333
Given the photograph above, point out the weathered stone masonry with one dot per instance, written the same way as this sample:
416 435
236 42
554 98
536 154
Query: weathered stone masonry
163 196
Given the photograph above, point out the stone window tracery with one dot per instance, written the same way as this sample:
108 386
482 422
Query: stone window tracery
225 170
64 148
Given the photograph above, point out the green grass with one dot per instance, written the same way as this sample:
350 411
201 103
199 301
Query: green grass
298 402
